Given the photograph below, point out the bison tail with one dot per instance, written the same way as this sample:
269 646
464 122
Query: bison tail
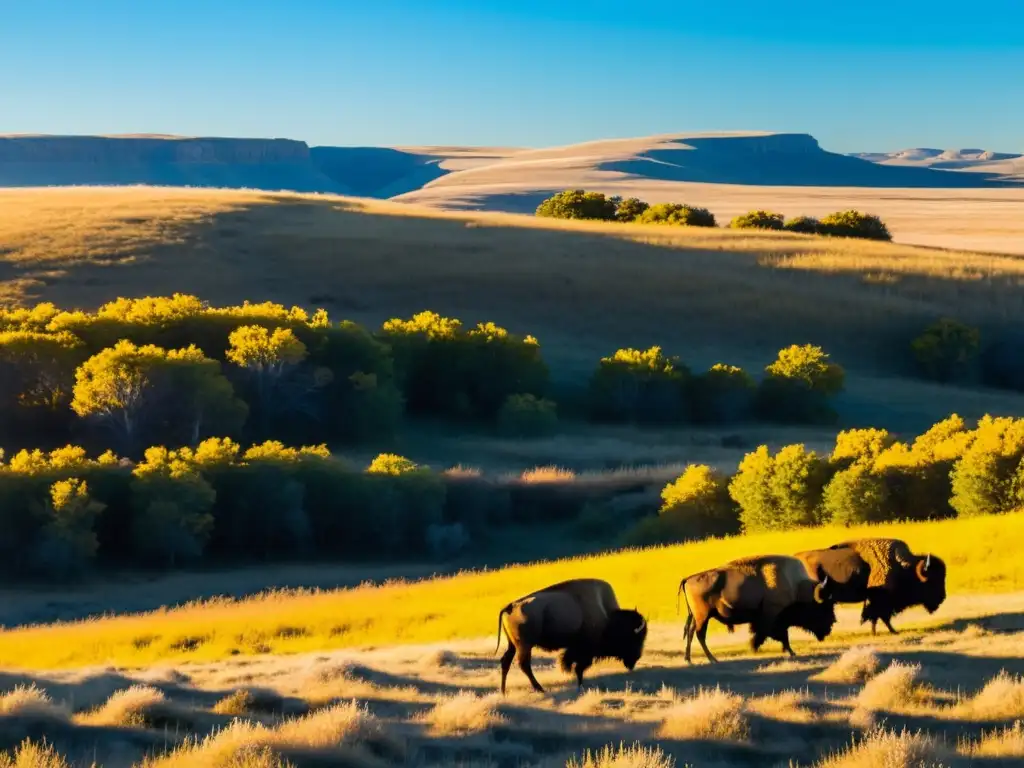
501 613
682 585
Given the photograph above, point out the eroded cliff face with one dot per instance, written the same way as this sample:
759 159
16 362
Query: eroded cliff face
271 164
131 150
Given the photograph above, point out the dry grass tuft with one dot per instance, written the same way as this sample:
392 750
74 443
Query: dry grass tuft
29 701
711 713
140 706
787 706
340 725
462 713
590 702
1002 698
29 754
888 749
635 756
891 689
247 701
1004 742
540 475
856 665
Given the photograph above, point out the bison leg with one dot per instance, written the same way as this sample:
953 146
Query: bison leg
524 664
886 620
691 629
784 639
702 633
506 664
582 665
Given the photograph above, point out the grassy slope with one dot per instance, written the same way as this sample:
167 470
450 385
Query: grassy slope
982 555
582 288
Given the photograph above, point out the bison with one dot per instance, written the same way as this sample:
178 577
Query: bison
770 593
883 574
581 618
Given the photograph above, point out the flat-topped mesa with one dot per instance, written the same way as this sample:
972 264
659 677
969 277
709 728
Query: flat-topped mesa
146 150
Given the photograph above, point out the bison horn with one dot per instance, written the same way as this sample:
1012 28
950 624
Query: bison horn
922 566
643 623
818 588
927 561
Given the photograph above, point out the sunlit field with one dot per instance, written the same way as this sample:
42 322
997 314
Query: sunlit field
982 555
406 674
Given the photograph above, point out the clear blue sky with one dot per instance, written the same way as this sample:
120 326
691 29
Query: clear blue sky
865 75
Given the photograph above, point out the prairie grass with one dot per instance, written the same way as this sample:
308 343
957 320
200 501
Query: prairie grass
981 553
708 714
31 702
855 665
888 749
890 690
462 713
1001 742
30 754
1002 698
634 756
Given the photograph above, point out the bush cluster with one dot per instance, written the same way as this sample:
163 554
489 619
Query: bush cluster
175 370
580 204
646 386
869 477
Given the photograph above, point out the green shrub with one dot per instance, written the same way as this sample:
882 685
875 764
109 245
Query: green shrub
724 393
758 220
776 493
856 495
527 416
578 204
947 350
677 213
639 386
854 224
630 209
988 478
799 385
805 225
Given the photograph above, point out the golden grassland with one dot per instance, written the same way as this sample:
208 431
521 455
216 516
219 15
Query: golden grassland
583 288
951 696
982 556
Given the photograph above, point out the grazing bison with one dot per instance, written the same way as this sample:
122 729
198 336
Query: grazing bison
770 593
581 618
883 574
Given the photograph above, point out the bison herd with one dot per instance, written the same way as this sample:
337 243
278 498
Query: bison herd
771 593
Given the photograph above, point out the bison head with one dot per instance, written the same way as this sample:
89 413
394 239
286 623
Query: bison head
819 614
624 637
930 573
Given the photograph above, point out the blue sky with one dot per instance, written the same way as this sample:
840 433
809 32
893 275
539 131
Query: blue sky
862 76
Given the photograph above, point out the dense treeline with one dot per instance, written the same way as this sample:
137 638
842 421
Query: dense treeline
869 477
580 204
174 371
63 512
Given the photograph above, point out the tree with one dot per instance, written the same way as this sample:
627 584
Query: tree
799 384
860 445
269 357
38 373
148 391
697 504
988 478
856 495
578 204
639 385
947 350
723 393
776 493
630 209
172 507
68 541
